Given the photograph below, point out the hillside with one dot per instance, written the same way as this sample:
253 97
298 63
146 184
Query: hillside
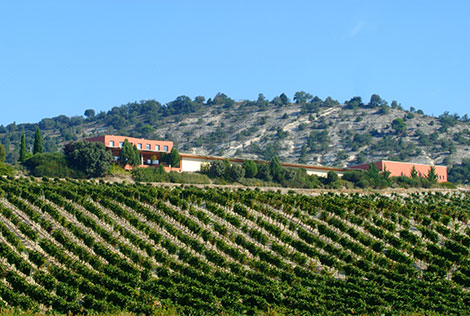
308 130
78 246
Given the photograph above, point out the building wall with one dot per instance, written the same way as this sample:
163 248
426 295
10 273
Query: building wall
113 141
193 163
397 168
189 162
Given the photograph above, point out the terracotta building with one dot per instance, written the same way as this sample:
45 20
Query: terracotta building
397 168
150 151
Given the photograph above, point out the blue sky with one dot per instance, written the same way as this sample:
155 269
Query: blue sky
62 57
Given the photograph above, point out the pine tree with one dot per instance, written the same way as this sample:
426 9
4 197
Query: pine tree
172 159
414 173
2 153
37 148
22 148
276 169
432 175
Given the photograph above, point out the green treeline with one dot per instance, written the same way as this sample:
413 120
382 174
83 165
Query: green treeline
143 118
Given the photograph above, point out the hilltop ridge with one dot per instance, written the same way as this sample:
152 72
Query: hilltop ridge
306 130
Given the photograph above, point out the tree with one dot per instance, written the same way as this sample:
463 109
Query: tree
302 97
217 169
251 169
129 155
37 148
181 105
222 98
332 177
284 99
264 173
22 147
261 102
199 100
90 113
386 176
2 153
384 109
375 101
432 175
414 173
460 173
276 169
373 172
91 158
172 159
399 126
236 173
354 103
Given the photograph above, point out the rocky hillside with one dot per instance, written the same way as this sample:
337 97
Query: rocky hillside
306 130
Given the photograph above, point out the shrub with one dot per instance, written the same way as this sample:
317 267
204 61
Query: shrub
6 170
50 165
150 174
251 169
236 173
188 177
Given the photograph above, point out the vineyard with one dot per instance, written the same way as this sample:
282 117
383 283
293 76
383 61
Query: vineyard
81 247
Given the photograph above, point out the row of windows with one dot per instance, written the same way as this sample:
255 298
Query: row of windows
149 161
139 146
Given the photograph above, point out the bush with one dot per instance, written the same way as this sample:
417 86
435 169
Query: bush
264 173
448 185
6 170
236 173
116 170
250 182
298 178
217 169
251 169
150 174
51 165
188 177
406 182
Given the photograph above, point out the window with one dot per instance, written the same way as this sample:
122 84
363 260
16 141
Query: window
139 146
116 158
111 143
147 146
165 148
149 161
155 162
121 144
157 147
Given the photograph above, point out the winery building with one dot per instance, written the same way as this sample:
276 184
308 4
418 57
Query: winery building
397 168
151 151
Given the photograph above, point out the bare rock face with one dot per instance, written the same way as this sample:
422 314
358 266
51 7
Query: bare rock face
335 136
